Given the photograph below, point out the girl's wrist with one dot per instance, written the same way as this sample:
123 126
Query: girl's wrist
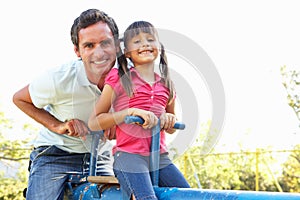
130 111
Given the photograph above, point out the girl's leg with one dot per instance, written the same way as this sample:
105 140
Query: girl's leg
169 174
133 174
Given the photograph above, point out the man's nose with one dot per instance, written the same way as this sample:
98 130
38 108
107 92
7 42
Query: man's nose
99 49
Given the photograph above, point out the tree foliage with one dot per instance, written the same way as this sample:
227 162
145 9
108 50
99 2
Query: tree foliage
290 179
14 154
229 171
291 169
243 170
291 82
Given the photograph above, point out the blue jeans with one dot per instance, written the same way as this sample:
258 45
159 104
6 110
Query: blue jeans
49 171
132 172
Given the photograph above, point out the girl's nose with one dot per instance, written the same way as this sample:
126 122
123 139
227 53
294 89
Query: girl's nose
145 43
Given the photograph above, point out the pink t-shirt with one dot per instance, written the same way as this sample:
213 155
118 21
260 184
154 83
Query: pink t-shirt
130 137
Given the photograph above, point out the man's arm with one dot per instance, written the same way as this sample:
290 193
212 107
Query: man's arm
72 127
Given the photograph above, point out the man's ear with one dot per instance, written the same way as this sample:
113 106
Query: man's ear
76 50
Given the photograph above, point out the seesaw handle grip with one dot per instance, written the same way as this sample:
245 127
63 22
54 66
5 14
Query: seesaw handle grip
136 119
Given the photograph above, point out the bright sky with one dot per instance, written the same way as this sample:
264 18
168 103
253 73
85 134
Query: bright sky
248 41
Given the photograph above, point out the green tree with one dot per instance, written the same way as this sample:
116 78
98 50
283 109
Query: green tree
14 154
291 168
291 82
226 171
290 179
240 170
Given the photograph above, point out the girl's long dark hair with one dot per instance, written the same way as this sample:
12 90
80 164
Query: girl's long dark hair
124 71
124 74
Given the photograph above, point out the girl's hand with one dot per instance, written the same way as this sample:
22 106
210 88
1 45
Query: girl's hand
150 119
110 133
167 121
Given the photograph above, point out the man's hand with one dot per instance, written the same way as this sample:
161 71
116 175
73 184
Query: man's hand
75 128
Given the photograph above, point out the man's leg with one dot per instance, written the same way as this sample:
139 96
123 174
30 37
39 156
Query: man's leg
48 172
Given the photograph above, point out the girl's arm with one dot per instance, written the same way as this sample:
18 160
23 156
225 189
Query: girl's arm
101 118
168 119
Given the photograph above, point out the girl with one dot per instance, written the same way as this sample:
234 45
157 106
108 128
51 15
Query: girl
139 91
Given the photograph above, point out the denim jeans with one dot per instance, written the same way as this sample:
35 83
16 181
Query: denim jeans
132 172
49 171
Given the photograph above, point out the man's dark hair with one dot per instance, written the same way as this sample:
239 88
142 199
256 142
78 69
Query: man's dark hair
90 17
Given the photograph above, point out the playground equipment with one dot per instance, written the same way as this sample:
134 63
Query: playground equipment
92 187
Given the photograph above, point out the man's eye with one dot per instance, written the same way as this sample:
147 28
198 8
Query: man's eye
106 43
89 45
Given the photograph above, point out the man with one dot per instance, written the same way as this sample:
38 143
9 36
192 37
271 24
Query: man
62 99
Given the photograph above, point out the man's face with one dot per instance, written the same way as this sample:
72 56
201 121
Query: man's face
97 50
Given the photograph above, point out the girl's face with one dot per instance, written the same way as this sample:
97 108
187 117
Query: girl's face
142 48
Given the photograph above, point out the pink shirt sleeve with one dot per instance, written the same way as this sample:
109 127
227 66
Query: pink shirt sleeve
112 78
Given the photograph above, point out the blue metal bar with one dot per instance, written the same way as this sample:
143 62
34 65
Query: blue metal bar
155 145
154 154
206 194
94 151
133 119
136 119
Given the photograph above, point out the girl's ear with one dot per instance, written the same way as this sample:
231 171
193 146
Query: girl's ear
126 53
118 50
159 48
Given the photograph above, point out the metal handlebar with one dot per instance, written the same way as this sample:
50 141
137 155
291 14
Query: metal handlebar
96 135
155 145
139 120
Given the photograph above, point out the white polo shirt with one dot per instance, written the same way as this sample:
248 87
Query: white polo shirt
66 93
